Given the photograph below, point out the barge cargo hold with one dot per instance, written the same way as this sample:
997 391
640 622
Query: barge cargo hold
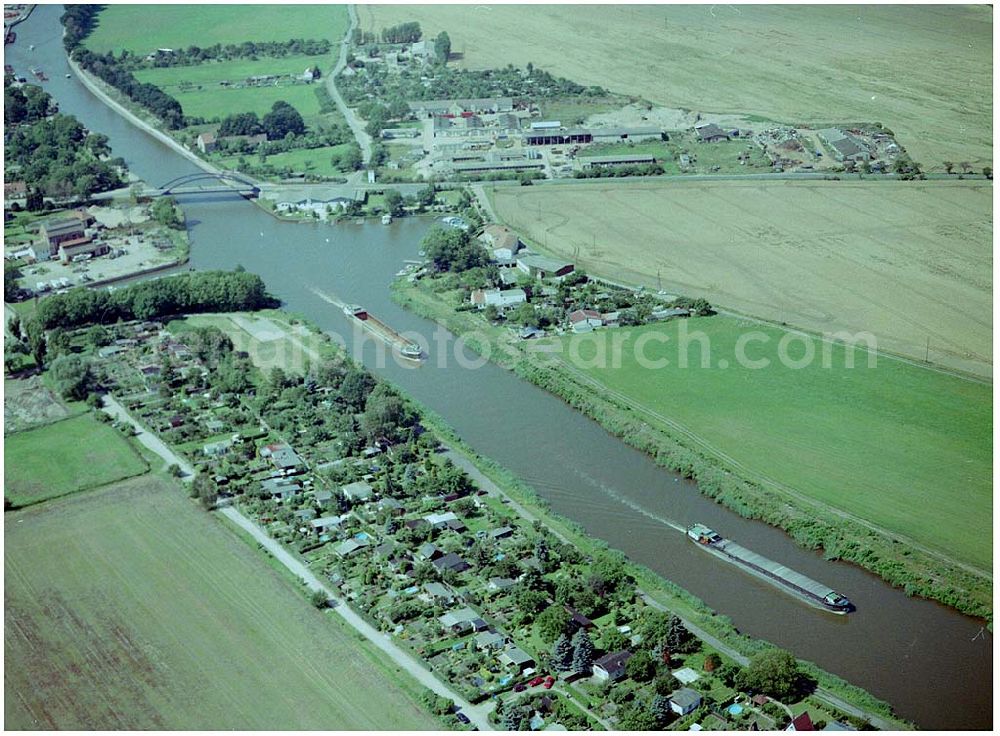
407 348
806 588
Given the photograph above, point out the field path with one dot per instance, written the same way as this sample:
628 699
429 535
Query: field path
477 714
149 440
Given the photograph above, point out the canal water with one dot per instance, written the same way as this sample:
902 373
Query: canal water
933 664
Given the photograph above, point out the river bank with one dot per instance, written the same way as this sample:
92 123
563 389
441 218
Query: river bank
810 524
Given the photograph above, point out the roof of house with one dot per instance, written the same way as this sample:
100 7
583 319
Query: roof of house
544 263
502 583
357 490
800 723
710 130
516 655
325 521
451 561
837 726
348 546
207 137
435 519
500 236
488 639
580 315
686 697
63 226
458 616
427 550
613 661
438 590
502 531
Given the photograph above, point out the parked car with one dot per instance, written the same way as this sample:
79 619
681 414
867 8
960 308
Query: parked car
462 718
549 682
519 687
537 681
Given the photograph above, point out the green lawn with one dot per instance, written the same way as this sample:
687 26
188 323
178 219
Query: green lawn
309 160
144 28
132 609
70 455
907 448
198 90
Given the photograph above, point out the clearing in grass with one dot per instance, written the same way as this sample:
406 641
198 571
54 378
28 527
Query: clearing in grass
909 262
906 448
130 608
65 457
145 28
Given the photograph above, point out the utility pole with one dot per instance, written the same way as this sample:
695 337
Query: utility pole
927 353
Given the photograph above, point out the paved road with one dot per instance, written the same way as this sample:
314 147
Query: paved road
476 714
364 140
117 411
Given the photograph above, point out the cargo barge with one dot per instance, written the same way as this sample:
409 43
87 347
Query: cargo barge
796 583
408 349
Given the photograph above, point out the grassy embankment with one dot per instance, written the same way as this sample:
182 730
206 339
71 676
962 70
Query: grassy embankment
917 70
268 352
131 608
67 456
908 262
809 451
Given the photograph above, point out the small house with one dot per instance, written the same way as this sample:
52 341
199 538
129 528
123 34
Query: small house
461 620
359 491
326 524
503 532
800 723
489 640
584 320
517 658
440 521
450 562
207 142
684 701
710 133
428 551
439 593
611 667
350 547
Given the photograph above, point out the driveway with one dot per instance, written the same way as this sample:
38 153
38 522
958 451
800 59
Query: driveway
149 440
476 713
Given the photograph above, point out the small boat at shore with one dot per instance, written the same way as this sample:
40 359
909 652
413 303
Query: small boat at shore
814 593
408 349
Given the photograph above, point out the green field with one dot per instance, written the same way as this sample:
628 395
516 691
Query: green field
198 90
903 447
70 455
132 609
144 28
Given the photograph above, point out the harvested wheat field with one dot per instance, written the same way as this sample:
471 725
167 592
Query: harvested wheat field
910 262
923 71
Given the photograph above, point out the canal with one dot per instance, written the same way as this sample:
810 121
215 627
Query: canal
933 664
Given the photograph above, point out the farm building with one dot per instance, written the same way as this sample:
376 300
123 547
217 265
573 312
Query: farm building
394 133
71 250
616 135
431 108
710 133
207 142
584 320
502 300
56 232
475 167
541 267
624 159
502 241
845 146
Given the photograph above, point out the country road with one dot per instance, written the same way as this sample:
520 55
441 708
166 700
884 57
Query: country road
476 713
364 140
149 440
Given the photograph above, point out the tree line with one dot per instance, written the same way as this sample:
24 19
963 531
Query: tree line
277 124
403 33
209 291
107 68
226 52
27 103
